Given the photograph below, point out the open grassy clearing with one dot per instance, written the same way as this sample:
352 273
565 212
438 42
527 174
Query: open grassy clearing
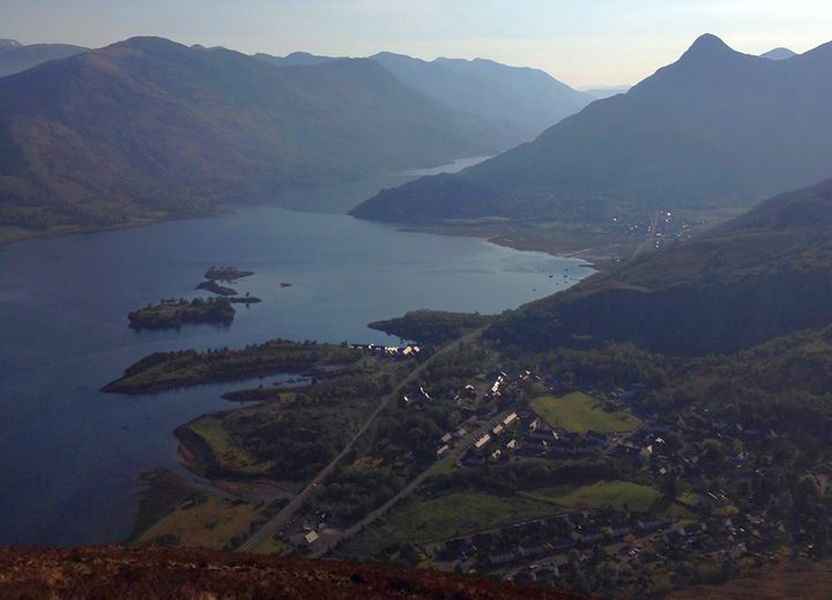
579 412
228 455
459 513
207 522
613 494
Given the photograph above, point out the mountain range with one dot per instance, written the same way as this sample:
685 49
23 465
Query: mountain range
15 57
717 127
148 128
528 100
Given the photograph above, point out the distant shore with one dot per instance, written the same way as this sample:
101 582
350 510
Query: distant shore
600 251
14 235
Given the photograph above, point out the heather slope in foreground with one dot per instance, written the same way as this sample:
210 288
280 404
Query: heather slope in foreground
155 573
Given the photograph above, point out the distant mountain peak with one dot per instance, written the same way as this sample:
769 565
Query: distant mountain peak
708 45
779 54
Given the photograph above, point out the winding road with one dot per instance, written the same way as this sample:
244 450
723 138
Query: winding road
276 523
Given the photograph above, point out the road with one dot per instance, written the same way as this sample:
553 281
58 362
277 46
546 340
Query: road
271 527
453 456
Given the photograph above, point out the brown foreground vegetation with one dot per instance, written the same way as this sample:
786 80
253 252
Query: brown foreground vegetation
155 573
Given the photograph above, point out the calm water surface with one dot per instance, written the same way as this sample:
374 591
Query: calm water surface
70 456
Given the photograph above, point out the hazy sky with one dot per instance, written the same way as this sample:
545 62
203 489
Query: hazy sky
582 42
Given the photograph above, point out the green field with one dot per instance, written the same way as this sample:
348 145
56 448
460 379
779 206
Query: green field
612 494
579 412
460 513
227 454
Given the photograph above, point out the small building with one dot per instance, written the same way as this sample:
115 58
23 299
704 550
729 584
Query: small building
482 442
511 419
443 450
311 537
446 438
498 430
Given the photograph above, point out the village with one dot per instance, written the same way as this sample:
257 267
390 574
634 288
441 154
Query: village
683 468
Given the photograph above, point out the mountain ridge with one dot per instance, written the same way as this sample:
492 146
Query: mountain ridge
147 128
715 127
15 57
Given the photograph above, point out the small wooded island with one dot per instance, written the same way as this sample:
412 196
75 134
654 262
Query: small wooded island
228 274
172 314
215 275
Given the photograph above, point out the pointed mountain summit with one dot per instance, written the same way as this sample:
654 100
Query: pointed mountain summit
708 45
715 128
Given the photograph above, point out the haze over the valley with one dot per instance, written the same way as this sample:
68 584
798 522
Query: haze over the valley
585 44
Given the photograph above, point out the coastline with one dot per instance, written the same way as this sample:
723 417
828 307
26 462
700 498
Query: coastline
69 230
602 251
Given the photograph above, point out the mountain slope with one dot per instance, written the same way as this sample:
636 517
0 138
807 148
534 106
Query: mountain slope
715 127
529 99
15 57
148 128
765 274
149 573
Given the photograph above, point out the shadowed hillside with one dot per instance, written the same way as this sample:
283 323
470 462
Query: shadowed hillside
148 128
762 275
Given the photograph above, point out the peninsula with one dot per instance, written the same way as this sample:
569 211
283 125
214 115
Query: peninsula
169 370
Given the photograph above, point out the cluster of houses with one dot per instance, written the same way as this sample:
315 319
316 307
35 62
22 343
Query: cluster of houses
395 352
517 547
498 443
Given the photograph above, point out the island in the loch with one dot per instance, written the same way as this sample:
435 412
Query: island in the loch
215 275
228 274
172 314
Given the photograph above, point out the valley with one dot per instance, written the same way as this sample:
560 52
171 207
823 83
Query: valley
57 325
528 452
295 322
